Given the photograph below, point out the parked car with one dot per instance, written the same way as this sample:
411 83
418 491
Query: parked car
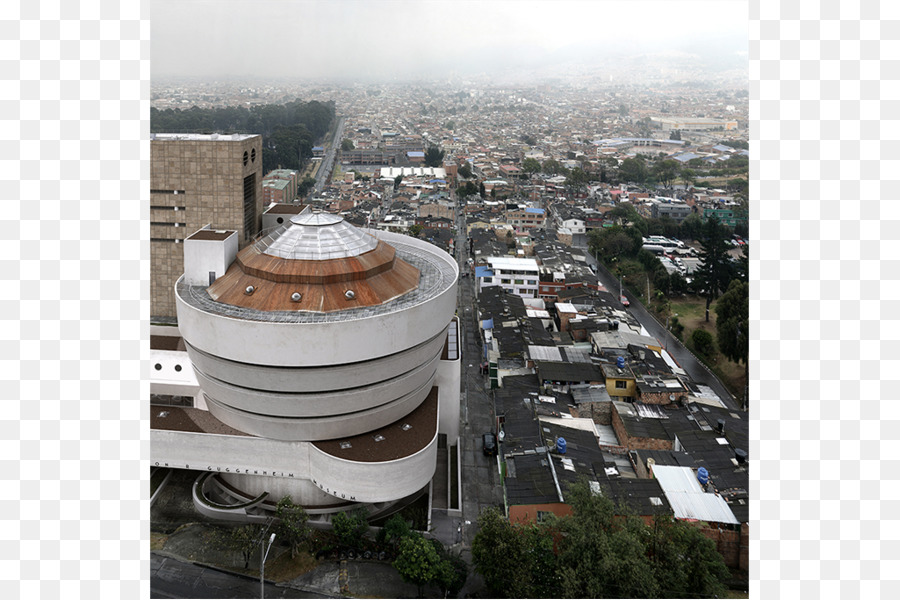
624 300
489 444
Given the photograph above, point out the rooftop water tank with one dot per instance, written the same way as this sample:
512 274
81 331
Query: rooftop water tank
620 362
702 475
561 445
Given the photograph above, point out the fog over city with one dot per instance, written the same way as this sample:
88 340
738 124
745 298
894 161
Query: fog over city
371 41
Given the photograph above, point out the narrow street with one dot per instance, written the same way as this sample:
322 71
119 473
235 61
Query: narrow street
481 485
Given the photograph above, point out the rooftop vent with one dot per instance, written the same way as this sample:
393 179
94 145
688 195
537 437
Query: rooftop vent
740 456
349 294
720 426
378 438
296 296
346 445
249 290
406 427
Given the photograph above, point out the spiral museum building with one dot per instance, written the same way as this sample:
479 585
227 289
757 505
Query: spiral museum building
327 366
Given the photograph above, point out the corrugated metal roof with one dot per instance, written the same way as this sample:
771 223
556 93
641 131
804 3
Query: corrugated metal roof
677 479
688 499
702 507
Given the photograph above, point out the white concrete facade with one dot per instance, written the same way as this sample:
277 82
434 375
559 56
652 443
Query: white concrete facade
520 276
292 380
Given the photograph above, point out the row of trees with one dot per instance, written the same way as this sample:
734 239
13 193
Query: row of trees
289 130
601 551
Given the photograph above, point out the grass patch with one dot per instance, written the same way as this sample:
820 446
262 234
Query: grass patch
157 541
691 312
284 568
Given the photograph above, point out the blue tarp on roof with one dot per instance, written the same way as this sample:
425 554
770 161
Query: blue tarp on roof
437 181
537 211
487 324
414 153
483 272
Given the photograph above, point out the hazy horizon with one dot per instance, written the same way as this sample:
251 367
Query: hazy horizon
395 40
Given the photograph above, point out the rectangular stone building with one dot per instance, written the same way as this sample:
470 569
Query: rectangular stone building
197 180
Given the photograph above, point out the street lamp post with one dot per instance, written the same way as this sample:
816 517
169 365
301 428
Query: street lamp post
262 566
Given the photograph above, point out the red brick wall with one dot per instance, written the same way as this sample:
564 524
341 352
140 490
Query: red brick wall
528 513
634 443
734 546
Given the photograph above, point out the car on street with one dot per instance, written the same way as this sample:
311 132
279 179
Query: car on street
489 444
624 300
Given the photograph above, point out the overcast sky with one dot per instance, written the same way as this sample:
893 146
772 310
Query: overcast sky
376 38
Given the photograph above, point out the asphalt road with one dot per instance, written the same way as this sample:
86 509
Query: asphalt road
481 485
324 171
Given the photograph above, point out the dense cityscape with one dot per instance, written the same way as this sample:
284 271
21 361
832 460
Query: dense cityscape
598 344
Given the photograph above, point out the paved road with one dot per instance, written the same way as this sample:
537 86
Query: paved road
480 477
324 171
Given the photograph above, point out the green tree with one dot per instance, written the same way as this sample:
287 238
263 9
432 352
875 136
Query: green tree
453 572
419 562
685 562
415 230
243 539
613 242
675 135
662 281
715 271
531 166
552 167
397 181
450 125
501 555
350 528
347 145
465 171
467 189
633 170
292 524
481 190
703 342
305 186
733 323
677 284
665 171
602 555
434 156
691 227
576 180
395 529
